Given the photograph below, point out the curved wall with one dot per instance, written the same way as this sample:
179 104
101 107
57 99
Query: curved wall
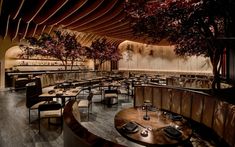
159 58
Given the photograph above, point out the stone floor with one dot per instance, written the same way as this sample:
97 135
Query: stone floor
16 132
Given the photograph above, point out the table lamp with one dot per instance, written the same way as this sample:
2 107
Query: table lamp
146 104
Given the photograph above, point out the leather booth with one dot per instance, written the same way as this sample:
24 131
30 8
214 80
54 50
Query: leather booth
208 110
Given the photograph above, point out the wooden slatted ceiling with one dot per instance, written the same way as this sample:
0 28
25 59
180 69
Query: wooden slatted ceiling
84 11
70 8
105 8
95 18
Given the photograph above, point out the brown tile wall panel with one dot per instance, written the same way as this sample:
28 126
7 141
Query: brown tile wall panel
197 107
157 94
219 117
186 104
176 101
208 111
229 129
166 98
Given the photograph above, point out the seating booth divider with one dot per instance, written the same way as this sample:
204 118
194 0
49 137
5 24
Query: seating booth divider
208 110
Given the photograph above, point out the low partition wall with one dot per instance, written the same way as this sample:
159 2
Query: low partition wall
76 135
165 73
48 78
197 106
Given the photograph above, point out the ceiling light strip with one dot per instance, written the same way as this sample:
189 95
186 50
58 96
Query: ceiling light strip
40 8
96 17
26 30
101 22
122 25
85 14
77 8
43 29
17 29
51 27
7 26
83 37
54 12
107 25
35 29
115 31
18 11
89 39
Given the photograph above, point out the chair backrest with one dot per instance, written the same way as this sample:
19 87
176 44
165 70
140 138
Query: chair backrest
33 90
90 96
38 85
50 106
31 94
111 91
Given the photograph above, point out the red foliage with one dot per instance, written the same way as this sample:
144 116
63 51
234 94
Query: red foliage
191 25
62 46
195 27
102 51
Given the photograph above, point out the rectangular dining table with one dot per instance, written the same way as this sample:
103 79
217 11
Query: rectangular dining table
70 93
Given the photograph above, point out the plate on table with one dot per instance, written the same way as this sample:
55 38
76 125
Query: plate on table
130 127
172 132
51 91
74 91
176 117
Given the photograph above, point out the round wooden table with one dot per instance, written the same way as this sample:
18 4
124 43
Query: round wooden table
158 125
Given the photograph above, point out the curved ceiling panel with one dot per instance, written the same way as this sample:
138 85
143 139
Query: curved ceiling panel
90 19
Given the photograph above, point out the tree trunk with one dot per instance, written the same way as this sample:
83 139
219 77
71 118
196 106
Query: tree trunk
216 60
65 65
96 66
216 78
72 62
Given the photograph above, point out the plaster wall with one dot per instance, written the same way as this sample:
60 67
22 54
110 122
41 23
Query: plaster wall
5 43
160 58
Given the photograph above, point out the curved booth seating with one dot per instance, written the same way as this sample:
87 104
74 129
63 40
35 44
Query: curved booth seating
206 110
77 135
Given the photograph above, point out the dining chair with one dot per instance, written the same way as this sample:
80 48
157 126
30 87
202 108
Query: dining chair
86 103
124 90
33 90
110 97
97 90
51 109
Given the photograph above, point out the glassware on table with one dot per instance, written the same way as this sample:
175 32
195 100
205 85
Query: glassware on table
159 113
139 110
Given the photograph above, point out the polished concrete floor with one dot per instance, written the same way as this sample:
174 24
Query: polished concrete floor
15 131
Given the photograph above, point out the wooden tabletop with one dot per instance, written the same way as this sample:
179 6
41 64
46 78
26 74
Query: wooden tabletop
155 127
73 92
59 93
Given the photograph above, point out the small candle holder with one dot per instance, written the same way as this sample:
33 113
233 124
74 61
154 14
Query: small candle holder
146 104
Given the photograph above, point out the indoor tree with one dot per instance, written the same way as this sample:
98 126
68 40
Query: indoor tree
194 27
61 45
101 51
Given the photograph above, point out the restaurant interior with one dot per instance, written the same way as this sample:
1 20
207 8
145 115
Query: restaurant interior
117 73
